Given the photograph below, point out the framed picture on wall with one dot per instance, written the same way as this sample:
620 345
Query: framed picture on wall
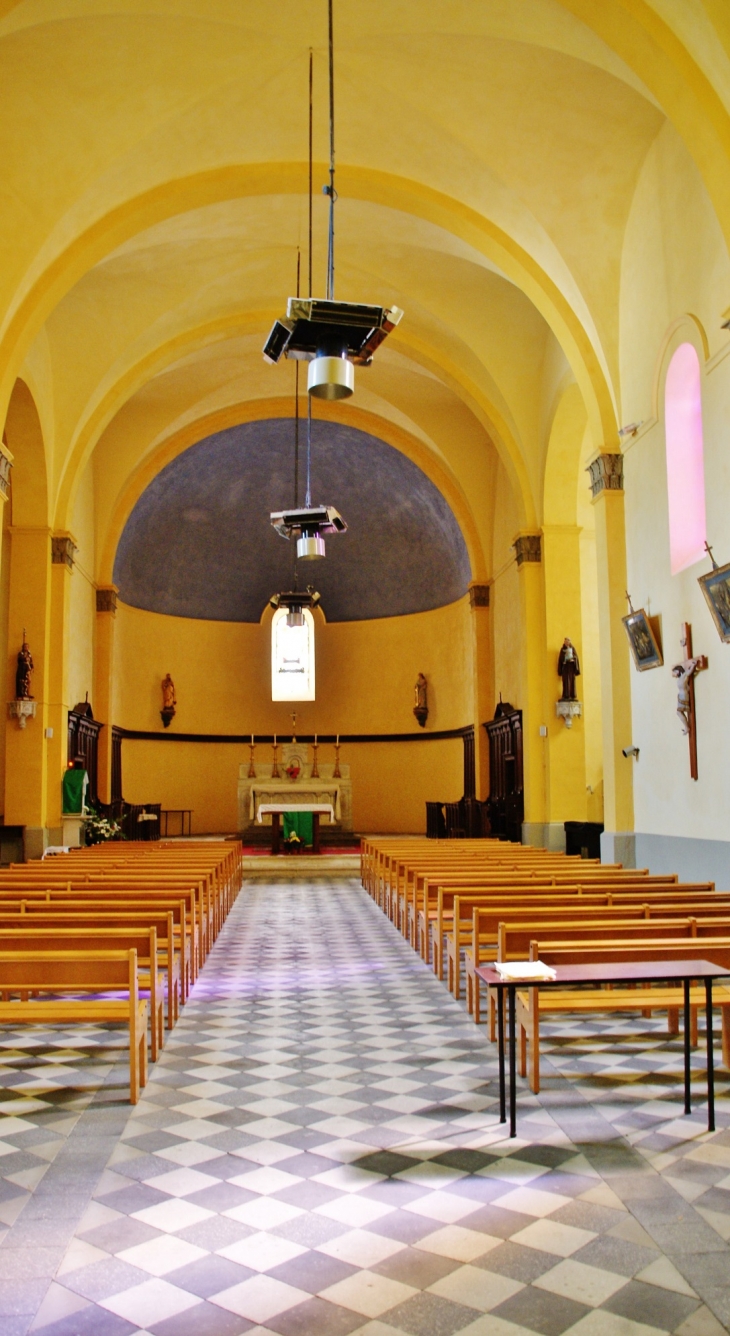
644 645
716 588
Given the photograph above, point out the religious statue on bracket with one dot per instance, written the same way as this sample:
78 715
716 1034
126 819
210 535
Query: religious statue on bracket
420 709
24 705
23 672
568 707
169 701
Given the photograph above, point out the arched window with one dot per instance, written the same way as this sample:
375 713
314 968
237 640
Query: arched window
292 655
685 467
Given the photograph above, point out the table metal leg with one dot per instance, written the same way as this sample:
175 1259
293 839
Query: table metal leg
500 1049
710 1059
511 994
687 1069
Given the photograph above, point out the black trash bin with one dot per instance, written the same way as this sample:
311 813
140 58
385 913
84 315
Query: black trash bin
583 838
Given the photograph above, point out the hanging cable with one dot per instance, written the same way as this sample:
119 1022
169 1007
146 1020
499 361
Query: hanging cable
331 188
310 170
308 496
296 404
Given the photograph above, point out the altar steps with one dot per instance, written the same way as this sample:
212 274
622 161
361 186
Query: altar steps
259 836
298 867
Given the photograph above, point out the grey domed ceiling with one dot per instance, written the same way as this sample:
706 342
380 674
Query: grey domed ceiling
199 543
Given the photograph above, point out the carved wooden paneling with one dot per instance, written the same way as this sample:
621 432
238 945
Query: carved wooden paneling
506 802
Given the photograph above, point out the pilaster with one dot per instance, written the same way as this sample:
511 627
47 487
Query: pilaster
483 677
606 479
26 783
63 552
528 550
106 610
566 798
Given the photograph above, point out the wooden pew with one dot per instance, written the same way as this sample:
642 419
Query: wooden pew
505 880
482 947
101 938
438 911
88 918
30 982
646 943
422 885
182 904
474 918
134 883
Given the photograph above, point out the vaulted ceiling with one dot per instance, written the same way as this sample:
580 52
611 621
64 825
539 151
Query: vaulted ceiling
154 198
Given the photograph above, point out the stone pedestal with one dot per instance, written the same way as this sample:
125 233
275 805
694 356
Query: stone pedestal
73 830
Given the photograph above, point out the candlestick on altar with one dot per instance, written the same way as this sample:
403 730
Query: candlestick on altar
336 772
251 766
315 749
275 766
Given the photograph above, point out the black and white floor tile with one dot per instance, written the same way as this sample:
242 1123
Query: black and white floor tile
318 1151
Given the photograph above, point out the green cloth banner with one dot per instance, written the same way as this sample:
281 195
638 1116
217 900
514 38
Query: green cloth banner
302 823
74 790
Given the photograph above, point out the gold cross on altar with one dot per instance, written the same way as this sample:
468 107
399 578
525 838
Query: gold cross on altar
293 717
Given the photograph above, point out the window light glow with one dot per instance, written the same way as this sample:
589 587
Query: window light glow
685 466
292 657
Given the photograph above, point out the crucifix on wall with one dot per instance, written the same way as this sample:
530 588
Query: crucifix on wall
685 673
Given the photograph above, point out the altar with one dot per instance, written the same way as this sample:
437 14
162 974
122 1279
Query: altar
263 789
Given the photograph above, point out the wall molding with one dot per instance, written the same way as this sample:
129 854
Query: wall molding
244 739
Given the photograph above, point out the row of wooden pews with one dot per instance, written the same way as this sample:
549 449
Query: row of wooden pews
462 906
116 933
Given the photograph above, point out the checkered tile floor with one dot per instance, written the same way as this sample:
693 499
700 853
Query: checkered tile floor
318 1152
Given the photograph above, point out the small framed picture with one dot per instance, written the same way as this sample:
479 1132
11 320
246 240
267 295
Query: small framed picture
716 589
644 645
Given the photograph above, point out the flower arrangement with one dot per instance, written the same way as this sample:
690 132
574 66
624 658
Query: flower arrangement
99 829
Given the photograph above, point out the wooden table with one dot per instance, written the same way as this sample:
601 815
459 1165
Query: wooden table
186 819
277 810
648 971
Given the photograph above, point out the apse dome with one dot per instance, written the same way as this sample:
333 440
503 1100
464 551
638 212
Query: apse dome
199 544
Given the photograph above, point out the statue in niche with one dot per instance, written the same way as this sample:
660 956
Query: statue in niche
23 672
420 708
169 701
568 669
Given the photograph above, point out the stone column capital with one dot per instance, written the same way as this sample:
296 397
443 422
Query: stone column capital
606 473
6 463
106 598
479 595
63 550
528 547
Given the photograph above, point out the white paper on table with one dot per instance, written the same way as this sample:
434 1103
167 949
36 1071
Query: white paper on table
525 971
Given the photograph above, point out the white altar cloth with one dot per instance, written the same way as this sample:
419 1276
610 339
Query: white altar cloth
322 809
274 793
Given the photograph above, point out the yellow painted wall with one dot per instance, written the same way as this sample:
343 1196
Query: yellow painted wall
505 597
82 599
676 282
4 602
365 677
591 661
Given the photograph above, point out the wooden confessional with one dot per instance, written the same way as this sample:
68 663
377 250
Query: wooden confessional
506 802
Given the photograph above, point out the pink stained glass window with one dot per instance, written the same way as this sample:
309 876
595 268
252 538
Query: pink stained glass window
685 465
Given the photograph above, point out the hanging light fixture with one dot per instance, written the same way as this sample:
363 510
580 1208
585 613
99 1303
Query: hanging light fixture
333 337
